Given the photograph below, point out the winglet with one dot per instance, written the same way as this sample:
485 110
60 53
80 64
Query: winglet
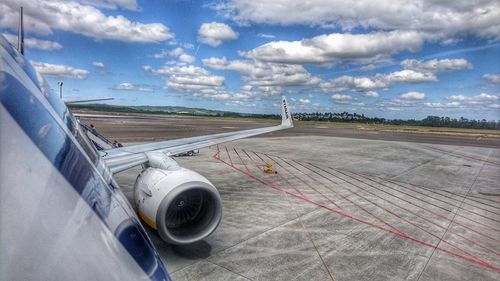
286 116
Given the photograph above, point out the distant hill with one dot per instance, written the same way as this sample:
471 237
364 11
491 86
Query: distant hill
181 110
177 110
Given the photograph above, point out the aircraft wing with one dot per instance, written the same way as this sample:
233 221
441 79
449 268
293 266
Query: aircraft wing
85 101
120 159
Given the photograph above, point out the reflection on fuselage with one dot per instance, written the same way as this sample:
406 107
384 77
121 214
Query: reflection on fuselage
71 154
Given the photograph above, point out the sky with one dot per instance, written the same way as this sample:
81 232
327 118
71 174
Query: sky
393 59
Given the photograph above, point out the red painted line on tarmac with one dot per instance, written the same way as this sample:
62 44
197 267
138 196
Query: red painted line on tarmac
485 199
404 219
287 182
217 153
258 168
345 198
371 214
468 258
366 222
366 211
242 162
447 196
426 209
310 186
415 214
228 155
430 211
298 217
449 203
459 215
459 155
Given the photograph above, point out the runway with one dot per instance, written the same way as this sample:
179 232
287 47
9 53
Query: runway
339 208
142 128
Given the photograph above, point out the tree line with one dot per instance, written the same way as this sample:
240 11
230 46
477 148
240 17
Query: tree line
429 121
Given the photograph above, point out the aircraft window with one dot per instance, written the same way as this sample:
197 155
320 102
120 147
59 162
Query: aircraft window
87 147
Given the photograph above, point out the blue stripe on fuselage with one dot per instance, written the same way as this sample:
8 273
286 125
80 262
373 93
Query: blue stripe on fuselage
45 132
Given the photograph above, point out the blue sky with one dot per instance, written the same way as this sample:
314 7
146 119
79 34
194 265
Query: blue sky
393 59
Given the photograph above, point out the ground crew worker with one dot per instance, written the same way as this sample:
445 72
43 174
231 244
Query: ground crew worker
93 130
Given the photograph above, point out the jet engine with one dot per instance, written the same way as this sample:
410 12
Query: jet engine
182 205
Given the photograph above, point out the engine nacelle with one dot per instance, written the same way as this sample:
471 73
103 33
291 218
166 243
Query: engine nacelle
182 205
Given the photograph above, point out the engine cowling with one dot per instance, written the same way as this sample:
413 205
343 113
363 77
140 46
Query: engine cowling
182 205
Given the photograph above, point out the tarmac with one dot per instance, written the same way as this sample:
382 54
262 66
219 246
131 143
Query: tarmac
340 208
141 128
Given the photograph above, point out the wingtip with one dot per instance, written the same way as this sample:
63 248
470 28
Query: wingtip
286 116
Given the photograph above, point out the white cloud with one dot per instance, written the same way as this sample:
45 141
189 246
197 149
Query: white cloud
442 19
246 87
132 87
480 99
189 79
263 35
396 104
493 78
172 53
187 45
162 54
178 53
241 103
435 65
456 98
269 91
98 64
412 96
336 47
345 82
177 70
414 72
379 81
186 58
214 96
338 98
494 105
370 94
442 105
202 80
196 84
60 70
368 67
264 74
485 97
238 98
304 102
113 4
34 43
41 17
215 33
409 76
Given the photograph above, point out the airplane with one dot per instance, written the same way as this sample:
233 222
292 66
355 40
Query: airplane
62 214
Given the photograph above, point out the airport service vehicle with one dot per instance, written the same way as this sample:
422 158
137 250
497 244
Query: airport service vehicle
188 153
63 216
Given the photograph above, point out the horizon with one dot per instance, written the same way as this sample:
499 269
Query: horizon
394 60
90 105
